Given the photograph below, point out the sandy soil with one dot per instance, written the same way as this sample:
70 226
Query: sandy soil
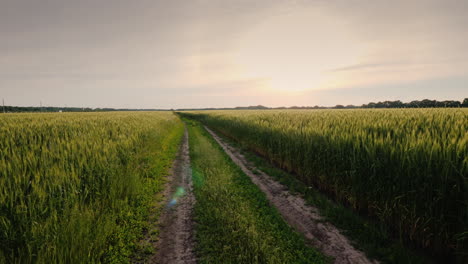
176 240
304 218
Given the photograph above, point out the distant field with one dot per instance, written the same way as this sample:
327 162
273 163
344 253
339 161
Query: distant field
406 168
76 188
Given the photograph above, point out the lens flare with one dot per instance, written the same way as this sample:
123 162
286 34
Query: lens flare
179 192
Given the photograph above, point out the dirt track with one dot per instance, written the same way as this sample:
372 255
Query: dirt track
304 218
176 240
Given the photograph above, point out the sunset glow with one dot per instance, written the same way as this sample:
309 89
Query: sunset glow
296 51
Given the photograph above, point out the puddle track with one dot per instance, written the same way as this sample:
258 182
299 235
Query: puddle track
176 240
294 210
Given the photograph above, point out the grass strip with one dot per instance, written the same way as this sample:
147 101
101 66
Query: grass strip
234 221
152 163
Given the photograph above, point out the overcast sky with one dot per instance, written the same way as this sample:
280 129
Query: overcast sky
216 53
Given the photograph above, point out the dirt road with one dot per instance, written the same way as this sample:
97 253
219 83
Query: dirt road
304 218
176 240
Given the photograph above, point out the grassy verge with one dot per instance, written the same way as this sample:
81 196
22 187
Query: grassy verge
152 163
366 235
234 222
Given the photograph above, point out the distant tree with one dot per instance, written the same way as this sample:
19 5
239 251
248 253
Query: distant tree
397 104
452 103
414 104
371 105
465 103
427 103
251 107
380 105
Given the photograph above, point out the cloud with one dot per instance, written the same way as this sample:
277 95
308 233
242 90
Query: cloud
113 53
362 66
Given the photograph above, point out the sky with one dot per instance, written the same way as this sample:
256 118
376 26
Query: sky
226 53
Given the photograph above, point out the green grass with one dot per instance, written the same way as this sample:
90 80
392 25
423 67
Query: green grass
155 159
234 222
152 163
77 188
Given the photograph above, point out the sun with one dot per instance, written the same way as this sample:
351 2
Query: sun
298 51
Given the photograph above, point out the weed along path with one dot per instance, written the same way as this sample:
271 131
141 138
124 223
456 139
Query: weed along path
294 210
176 240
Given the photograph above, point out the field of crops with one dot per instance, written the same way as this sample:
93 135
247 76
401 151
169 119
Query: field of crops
80 187
406 168
76 188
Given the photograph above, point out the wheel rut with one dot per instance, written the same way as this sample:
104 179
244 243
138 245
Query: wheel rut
304 218
176 240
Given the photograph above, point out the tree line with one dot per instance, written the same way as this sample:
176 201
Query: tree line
33 109
426 103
